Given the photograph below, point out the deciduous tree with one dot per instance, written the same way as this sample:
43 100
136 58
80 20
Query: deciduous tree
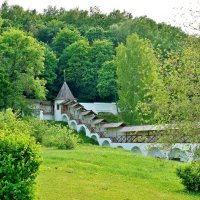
21 61
135 70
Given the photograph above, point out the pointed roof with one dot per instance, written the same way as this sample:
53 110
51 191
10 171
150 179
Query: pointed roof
65 93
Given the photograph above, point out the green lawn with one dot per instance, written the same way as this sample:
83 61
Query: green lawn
96 173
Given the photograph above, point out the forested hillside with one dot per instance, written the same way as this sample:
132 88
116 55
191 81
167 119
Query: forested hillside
83 43
151 70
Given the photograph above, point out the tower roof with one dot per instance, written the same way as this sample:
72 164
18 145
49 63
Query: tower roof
65 93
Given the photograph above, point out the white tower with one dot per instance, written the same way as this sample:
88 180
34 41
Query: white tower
63 95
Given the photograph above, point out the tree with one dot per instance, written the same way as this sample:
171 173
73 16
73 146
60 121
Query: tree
46 32
107 81
49 73
178 102
101 51
63 39
135 70
16 16
163 37
79 71
95 33
22 61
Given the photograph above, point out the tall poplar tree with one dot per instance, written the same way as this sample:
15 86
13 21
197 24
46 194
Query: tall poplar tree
136 70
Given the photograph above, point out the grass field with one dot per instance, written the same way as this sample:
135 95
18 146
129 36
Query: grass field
94 173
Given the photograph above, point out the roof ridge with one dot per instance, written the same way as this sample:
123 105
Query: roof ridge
65 93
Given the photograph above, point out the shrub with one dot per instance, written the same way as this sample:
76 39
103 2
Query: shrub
19 160
61 137
190 176
46 133
37 128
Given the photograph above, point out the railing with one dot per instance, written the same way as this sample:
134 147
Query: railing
146 138
101 134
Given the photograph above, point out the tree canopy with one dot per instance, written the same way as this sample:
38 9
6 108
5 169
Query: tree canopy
101 53
136 67
21 63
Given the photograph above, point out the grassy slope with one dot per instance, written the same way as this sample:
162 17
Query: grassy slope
96 173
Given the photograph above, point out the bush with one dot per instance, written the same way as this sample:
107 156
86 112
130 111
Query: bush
46 133
190 176
37 128
19 160
61 137
52 134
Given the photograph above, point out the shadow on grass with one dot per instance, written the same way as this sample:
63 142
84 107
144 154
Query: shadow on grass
190 193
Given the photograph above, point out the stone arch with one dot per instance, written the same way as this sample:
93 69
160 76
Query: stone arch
73 125
155 152
120 147
105 143
94 137
82 130
65 118
136 150
177 154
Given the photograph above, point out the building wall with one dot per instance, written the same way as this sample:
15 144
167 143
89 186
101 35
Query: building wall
57 112
101 107
179 150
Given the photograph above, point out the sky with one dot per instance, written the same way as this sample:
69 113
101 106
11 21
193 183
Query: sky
174 12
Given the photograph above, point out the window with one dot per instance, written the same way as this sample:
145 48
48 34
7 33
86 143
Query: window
58 107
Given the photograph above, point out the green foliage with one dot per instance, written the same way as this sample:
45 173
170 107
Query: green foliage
22 61
50 72
109 117
163 37
107 81
136 70
101 51
46 32
83 139
16 17
59 29
177 101
80 73
190 176
60 137
11 122
19 158
52 134
63 39
45 133
95 33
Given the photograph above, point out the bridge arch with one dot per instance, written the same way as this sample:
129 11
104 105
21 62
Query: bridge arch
65 118
73 125
106 143
154 152
94 137
82 130
136 150
177 154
